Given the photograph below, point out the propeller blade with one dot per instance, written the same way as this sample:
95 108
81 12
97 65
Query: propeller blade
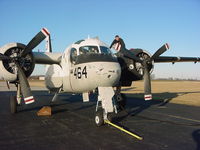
147 83
4 57
35 41
130 55
147 80
25 87
160 51
50 47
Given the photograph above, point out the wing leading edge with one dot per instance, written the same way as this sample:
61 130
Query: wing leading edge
172 59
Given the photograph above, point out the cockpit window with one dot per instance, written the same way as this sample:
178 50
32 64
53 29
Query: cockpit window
88 49
73 55
105 50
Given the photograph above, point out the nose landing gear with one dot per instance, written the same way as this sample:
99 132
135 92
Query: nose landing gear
108 103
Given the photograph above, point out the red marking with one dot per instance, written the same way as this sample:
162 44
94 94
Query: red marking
147 97
167 45
43 29
28 100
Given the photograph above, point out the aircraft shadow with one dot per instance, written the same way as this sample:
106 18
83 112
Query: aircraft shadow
196 137
136 103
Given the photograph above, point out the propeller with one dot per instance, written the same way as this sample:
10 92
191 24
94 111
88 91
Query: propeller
49 44
4 57
25 87
147 82
146 76
160 51
35 41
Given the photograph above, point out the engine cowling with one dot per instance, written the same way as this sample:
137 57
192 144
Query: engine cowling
142 54
8 70
132 70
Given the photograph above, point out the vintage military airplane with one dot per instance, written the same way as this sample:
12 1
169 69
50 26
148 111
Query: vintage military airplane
84 66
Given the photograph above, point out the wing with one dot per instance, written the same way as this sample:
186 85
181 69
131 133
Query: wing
172 59
47 58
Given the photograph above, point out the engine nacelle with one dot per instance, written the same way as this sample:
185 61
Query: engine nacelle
54 77
8 70
142 54
131 70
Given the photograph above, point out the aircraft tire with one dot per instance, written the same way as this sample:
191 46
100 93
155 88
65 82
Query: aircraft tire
99 118
13 104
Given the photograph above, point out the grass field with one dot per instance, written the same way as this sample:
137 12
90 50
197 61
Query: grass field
180 92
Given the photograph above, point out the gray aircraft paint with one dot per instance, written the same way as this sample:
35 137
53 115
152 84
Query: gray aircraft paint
102 74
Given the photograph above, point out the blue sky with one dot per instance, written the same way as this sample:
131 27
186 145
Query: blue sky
146 24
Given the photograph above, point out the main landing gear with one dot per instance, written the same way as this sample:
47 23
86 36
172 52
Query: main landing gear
13 104
15 100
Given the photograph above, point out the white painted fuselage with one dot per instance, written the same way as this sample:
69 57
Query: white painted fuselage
85 76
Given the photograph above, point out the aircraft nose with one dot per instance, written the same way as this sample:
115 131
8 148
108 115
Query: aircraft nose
104 69
108 74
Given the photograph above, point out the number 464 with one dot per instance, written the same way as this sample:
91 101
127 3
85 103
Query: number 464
79 73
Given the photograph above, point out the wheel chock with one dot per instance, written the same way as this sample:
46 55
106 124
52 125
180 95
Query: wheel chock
122 129
44 111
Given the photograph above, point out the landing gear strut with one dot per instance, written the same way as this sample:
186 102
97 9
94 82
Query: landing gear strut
13 104
109 102
106 105
15 100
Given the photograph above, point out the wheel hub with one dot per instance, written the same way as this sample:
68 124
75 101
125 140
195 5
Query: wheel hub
97 119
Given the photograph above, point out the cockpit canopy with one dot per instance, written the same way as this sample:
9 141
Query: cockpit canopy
88 47
87 50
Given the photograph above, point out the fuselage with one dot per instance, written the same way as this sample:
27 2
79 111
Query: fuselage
85 65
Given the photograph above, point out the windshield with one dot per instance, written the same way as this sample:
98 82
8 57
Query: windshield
88 49
105 50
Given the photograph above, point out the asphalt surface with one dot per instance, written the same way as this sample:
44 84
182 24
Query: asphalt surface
164 126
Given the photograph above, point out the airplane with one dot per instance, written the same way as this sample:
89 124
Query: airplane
86 65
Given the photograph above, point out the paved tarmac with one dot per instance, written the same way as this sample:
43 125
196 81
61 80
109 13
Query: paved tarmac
163 126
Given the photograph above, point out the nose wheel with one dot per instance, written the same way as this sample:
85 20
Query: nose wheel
99 121
100 118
